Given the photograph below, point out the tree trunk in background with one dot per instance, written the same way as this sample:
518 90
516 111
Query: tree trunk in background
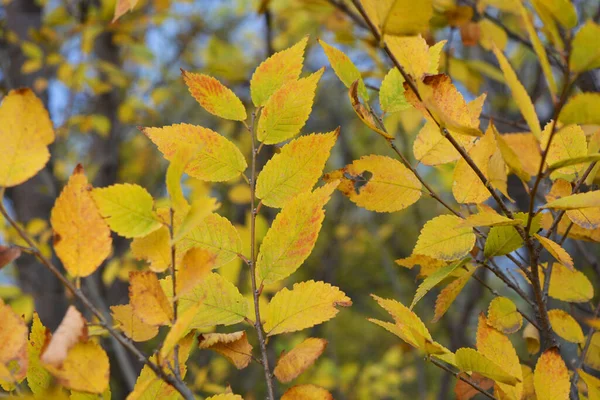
34 198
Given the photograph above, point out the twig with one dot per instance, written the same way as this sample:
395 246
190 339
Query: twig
255 291
457 375
170 379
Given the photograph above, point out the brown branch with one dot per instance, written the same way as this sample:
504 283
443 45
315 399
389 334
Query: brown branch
178 384
252 262
457 375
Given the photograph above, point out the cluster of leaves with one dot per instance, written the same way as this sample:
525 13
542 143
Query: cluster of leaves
182 298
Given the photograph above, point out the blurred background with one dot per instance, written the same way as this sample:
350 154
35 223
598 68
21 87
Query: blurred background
101 79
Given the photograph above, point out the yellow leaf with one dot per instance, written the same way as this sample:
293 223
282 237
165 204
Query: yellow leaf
569 285
504 316
306 392
122 7
488 218
585 55
233 346
551 376
512 160
532 339
519 94
131 324
38 379
592 358
215 234
177 165
389 187
565 326
180 328
505 239
538 46
82 240
295 169
562 10
449 294
557 251
581 109
282 67
444 239
427 265
497 347
413 54
221 303
25 133
526 148
201 208
432 148
287 110
127 208
403 17
293 363
72 329
148 300
214 97
13 345
227 396
306 305
391 93
576 201
568 142
292 235
469 360
85 368
365 114
215 159
195 266
344 68
491 34
593 384
154 248
467 187
432 280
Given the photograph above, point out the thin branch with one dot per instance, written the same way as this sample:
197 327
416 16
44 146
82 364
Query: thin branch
252 262
178 384
457 375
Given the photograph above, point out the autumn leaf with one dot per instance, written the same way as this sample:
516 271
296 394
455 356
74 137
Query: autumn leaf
464 391
227 396
576 201
195 266
498 348
557 251
444 239
432 280
214 158
585 55
365 113
132 325
569 285
295 169
449 294
293 363
122 7
215 234
504 316
568 142
519 94
155 248
282 67
403 17
233 346
180 328
214 97
25 134
565 326
72 330
469 360
551 377
306 305
306 392
13 345
85 368
127 208
38 378
344 68
506 239
414 55
378 183
148 300
581 109
488 217
8 255
287 110
391 92
292 235
221 303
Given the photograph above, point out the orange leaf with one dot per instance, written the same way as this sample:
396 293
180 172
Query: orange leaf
214 97
233 346
72 330
551 376
148 299
306 392
299 359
